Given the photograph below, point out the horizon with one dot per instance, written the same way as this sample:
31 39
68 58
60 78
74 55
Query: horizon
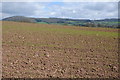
71 10
59 18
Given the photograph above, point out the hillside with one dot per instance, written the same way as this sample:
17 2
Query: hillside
109 23
19 19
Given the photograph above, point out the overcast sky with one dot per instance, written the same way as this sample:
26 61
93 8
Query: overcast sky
76 10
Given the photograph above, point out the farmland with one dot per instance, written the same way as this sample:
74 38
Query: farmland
32 50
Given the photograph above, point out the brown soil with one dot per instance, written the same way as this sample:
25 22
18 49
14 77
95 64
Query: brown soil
37 54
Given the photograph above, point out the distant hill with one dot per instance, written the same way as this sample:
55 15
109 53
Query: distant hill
47 20
59 20
111 23
19 19
109 20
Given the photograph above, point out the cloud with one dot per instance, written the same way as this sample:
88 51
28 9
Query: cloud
90 0
20 8
89 10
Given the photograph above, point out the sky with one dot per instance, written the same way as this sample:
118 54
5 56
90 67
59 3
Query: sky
74 10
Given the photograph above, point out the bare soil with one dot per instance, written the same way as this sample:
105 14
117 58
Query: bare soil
49 54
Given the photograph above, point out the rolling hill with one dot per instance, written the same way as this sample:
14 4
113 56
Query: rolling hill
19 19
109 23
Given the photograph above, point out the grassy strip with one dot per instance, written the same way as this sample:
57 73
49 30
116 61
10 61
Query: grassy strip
46 28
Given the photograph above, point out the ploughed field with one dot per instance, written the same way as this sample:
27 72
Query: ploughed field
33 50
